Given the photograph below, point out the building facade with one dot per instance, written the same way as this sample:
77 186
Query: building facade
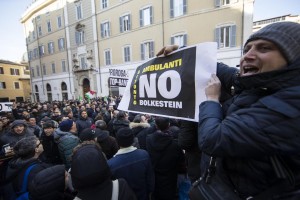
75 46
14 82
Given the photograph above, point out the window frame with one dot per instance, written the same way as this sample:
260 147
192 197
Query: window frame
143 16
105 29
49 27
17 83
2 85
51 47
147 48
107 57
221 35
127 53
125 23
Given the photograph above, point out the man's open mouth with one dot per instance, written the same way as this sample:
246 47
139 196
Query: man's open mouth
249 70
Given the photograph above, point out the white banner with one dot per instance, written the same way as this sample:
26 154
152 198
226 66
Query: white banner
6 106
172 86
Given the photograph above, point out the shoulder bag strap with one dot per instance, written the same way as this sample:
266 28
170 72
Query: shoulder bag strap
115 190
25 179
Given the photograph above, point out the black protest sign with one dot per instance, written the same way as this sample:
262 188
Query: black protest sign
165 86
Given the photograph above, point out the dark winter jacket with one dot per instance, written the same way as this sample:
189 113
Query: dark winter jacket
260 123
51 152
167 159
129 160
16 170
66 142
83 123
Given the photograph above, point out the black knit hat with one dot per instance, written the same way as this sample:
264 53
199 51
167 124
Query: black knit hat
48 184
286 35
66 125
89 167
125 137
88 134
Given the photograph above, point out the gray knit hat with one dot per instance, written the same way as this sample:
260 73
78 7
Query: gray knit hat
286 35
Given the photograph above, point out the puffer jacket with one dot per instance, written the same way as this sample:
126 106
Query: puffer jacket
259 123
66 142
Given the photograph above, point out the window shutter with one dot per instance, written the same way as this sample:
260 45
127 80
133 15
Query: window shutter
141 18
184 7
4 85
129 22
121 24
172 40
217 3
142 52
108 24
102 30
151 49
217 36
151 15
233 36
185 39
171 8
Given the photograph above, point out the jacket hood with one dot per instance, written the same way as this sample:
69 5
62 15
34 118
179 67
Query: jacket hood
143 125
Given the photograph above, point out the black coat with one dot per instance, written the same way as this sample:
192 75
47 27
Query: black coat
261 121
51 152
167 159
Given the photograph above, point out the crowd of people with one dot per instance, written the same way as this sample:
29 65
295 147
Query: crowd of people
247 135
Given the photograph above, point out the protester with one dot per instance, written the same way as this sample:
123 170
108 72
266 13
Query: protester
91 176
120 122
27 151
66 140
108 143
130 159
51 153
83 122
261 122
167 159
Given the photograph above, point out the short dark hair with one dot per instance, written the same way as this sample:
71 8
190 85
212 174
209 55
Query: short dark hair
162 123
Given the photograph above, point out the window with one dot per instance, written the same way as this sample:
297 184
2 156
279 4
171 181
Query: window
41 50
104 4
177 8
40 33
44 69
125 23
147 50
53 67
226 36
146 16
2 85
51 47
78 11
180 40
63 66
49 26
1 70
14 71
17 85
219 3
61 44
79 36
59 22
32 72
35 53
82 64
33 35
107 57
127 52
30 55
37 70
105 30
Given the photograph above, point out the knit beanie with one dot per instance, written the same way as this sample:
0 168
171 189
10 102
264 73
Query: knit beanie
48 184
88 134
89 167
125 137
286 35
66 125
